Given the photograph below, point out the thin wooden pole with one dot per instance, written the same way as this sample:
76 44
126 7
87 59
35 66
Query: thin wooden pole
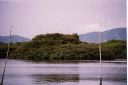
100 58
6 60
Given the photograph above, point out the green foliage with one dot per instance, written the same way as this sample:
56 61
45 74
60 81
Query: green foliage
64 47
116 48
3 49
55 39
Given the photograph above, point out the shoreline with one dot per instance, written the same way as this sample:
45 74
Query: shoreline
96 61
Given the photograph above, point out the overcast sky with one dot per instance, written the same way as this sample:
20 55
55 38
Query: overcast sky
32 17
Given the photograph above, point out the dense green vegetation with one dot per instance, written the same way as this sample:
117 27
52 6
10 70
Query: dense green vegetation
63 47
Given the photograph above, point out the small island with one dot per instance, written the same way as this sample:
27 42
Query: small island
56 46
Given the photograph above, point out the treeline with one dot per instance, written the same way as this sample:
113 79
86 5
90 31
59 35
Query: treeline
63 47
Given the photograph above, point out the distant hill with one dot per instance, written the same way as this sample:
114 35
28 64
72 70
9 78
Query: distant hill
93 37
14 39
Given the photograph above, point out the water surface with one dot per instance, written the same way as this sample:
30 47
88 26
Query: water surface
21 72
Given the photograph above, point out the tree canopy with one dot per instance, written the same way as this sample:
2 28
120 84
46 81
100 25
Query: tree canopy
57 46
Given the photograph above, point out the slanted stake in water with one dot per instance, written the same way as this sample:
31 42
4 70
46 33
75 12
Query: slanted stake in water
6 60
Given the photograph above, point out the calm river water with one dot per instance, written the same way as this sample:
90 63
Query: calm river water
20 72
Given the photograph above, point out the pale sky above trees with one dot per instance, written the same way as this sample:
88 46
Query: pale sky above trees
32 17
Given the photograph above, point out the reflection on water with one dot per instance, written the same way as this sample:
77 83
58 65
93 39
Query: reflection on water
56 77
63 73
